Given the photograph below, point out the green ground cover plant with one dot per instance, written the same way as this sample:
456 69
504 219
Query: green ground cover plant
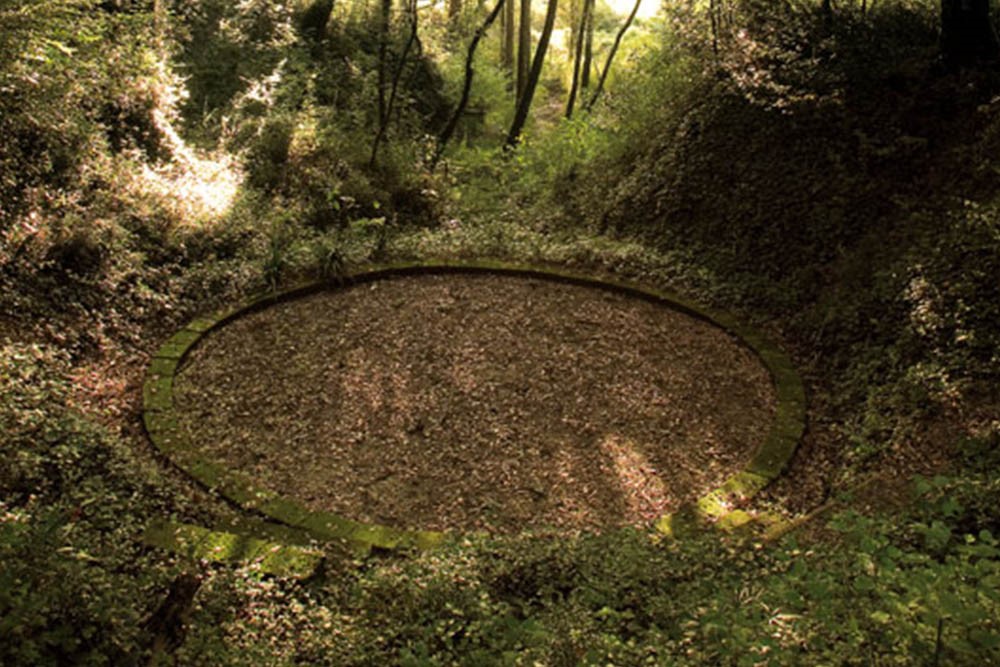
826 176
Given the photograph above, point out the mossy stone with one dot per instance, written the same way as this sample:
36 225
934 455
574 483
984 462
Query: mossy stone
276 558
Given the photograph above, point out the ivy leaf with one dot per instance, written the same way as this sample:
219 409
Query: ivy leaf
864 584
880 617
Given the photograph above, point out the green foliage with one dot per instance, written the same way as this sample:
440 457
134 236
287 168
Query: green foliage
276 257
74 585
952 293
229 50
69 89
873 594
330 258
268 155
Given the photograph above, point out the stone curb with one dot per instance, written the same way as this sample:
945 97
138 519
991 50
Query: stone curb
276 558
715 507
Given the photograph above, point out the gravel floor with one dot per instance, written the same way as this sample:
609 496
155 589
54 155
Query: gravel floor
477 402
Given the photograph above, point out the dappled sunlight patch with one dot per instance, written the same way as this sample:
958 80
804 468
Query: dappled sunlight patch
642 487
199 189
198 186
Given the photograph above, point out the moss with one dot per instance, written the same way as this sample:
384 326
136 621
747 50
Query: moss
178 345
164 431
162 367
201 325
283 560
157 393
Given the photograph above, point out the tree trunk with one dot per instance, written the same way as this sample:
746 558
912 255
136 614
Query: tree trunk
312 22
713 15
454 11
168 624
383 126
523 48
521 115
611 55
588 44
507 43
385 16
967 35
577 59
449 129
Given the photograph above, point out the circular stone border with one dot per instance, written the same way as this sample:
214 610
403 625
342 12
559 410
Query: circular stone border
716 506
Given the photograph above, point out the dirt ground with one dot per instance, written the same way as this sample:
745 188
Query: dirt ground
477 402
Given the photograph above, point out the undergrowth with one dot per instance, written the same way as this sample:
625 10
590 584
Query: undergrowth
843 197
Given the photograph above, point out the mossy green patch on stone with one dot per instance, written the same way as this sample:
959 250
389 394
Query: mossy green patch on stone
744 485
162 367
157 393
276 558
286 510
773 456
241 490
194 464
178 344
735 519
327 525
681 523
164 431
201 325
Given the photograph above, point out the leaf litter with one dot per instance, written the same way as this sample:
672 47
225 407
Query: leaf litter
477 402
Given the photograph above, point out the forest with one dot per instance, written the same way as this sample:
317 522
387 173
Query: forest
375 332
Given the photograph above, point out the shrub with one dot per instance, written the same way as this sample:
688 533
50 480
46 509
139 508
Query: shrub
74 583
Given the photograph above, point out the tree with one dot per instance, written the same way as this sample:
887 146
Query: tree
524 103
967 33
385 16
588 44
523 48
577 58
312 22
507 38
449 129
386 105
611 55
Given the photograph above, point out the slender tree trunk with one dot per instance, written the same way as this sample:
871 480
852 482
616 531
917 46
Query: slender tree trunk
827 11
454 11
575 12
385 17
611 55
160 18
524 105
577 58
507 43
313 19
967 34
456 117
397 75
588 45
168 624
523 48
713 15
